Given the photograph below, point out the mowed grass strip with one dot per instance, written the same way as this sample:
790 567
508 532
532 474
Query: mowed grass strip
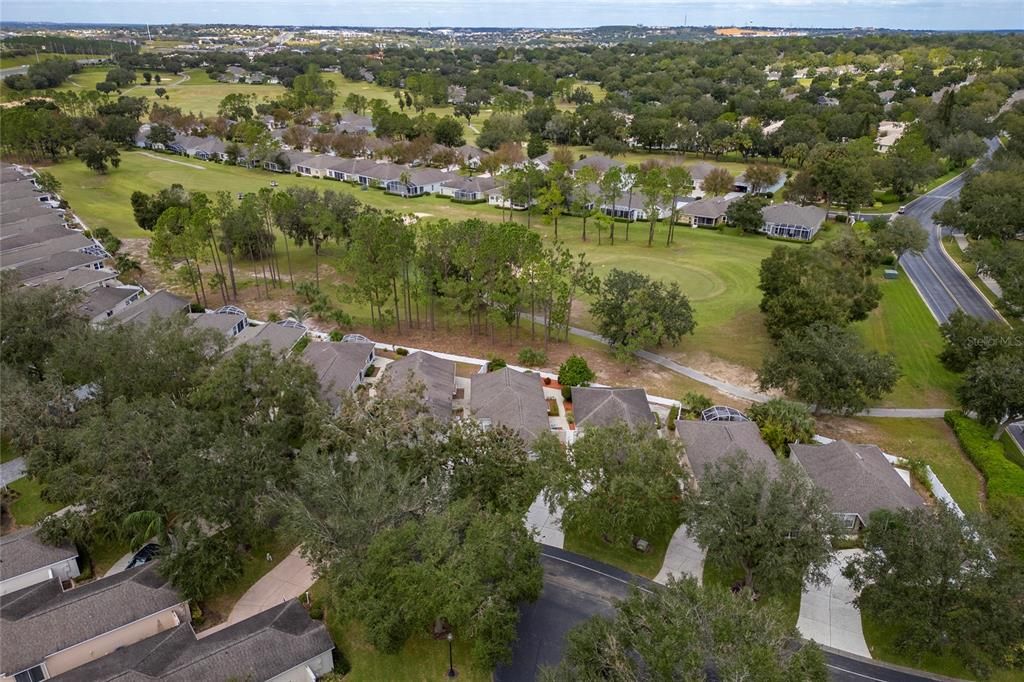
902 325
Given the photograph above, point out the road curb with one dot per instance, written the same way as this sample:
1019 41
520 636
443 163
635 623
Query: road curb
890 666
942 248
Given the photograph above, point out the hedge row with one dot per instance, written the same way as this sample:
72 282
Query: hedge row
1004 479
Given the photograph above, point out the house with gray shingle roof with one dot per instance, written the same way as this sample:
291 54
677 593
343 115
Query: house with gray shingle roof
416 182
859 479
48 631
104 302
281 643
511 399
339 366
708 442
26 560
436 376
468 190
280 338
159 304
705 212
792 221
607 406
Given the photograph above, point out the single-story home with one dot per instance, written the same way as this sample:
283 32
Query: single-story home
158 304
339 366
321 165
496 197
436 375
104 302
281 644
48 631
792 221
280 337
418 182
43 232
858 478
83 279
607 406
705 212
511 399
41 271
69 240
632 208
354 123
228 320
602 164
708 442
470 154
380 174
27 561
889 133
468 190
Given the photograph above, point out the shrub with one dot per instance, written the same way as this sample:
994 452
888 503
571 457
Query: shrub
575 372
273 317
567 393
370 371
316 611
547 381
531 357
337 335
494 363
401 352
673 415
301 344
918 470
552 407
1004 479
196 308
694 404
782 422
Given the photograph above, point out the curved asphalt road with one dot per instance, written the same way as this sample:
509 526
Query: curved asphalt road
942 285
577 588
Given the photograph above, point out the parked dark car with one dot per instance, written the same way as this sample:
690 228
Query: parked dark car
145 555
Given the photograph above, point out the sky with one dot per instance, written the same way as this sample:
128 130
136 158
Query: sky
903 14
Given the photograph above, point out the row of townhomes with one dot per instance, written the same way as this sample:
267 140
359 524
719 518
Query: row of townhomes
456 177
131 624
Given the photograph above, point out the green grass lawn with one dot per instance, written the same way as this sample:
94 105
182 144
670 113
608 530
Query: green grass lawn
881 640
788 600
29 508
422 658
7 452
930 440
903 326
104 552
254 567
628 559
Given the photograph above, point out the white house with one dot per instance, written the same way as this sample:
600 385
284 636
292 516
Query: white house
28 561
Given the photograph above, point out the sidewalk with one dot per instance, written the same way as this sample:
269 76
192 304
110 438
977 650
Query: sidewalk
993 286
827 614
683 558
288 580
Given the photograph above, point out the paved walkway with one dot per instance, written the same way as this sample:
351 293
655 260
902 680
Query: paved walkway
827 614
993 286
12 470
288 580
547 525
683 558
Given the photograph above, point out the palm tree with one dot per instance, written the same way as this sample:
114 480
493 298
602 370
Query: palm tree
141 525
299 313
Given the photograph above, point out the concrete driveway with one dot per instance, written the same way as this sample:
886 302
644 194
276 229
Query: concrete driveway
288 580
547 525
827 613
684 557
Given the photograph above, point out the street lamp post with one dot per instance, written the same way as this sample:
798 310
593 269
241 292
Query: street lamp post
451 666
